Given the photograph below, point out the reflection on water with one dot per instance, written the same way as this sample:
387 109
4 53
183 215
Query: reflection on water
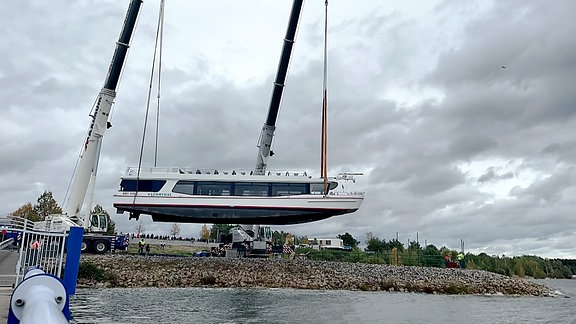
205 305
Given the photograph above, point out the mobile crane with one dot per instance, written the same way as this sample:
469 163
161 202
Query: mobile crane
256 238
84 176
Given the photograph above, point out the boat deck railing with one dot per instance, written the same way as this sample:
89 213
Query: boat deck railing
133 171
346 193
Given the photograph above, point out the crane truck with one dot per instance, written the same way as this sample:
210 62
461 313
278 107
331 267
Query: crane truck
83 180
256 240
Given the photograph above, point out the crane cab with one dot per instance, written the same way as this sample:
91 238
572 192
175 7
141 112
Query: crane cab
98 223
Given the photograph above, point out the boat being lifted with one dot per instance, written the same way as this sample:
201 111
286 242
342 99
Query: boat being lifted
230 197
245 197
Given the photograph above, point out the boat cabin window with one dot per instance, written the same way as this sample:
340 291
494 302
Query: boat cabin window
214 188
184 187
318 188
251 189
258 189
286 189
142 185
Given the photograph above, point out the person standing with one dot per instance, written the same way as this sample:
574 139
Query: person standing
461 260
34 253
147 249
126 243
446 260
141 246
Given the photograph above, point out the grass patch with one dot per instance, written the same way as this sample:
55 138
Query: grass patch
365 287
455 289
176 250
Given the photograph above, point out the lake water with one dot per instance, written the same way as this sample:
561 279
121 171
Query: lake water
206 305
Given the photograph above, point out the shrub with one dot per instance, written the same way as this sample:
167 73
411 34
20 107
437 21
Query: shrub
88 270
208 280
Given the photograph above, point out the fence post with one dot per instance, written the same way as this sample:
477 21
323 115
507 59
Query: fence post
73 246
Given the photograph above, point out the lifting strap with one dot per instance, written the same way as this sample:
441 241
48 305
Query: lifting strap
157 55
323 167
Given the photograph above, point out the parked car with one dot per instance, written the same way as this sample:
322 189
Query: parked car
202 253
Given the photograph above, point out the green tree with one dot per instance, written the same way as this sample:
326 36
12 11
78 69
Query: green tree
348 240
27 211
518 268
432 257
220 229
395 244
483 261
471 265
47 205
558 270
279 238
570 264
411 255
414 246
373 243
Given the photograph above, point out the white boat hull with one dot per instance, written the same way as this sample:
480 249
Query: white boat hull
159 198
240 210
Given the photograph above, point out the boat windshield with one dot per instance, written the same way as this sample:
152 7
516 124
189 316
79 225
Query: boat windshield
142 185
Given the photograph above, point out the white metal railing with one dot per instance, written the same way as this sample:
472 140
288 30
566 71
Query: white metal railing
133 171
10 222
5 243
44 250
41 248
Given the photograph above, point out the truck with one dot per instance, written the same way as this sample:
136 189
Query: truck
95 238
255 240
243 241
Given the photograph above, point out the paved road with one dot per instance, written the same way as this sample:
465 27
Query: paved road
5 294
8 260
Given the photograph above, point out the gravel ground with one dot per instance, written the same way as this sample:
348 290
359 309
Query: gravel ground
123 270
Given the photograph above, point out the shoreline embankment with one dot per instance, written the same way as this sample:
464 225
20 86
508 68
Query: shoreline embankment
124 270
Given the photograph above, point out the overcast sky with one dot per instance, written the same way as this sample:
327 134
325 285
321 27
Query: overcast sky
460 114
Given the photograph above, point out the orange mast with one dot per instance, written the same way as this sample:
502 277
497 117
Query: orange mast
323 167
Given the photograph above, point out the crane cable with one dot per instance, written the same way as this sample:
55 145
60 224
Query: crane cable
157 53
160 40
323 167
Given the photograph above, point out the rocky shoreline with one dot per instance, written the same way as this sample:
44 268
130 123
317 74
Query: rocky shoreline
123 270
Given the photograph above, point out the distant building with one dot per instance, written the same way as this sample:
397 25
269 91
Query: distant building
330 243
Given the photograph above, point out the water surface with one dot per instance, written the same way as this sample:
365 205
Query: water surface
251 305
